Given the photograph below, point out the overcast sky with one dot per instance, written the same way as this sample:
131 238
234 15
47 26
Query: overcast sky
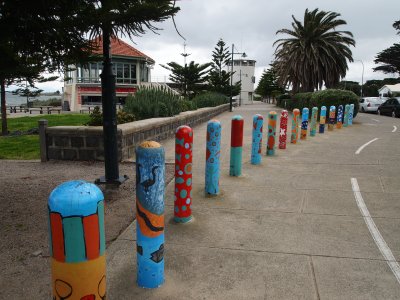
252 24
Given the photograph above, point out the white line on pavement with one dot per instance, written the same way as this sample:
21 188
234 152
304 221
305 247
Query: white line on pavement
394 128
369 124
376 235
365 145
375 120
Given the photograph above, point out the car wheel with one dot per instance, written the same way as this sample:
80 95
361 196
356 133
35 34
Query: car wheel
378 112
393 114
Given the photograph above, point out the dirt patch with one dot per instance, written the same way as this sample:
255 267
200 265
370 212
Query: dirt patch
25 187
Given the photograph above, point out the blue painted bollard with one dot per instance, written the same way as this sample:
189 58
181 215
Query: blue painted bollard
150 183
272 117
313 126
213 153
304 123
346 115
339 120
351 114
295 126
332 113
77 241
256 144
322 119
235 167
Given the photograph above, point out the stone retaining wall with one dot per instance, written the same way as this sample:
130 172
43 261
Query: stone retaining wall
86 143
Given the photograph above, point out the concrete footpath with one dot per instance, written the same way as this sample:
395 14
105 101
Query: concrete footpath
287 229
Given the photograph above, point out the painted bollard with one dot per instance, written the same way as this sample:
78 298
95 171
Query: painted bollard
295 126
183 174
322 119
235 167
339 120
272 117
332 113
256 145
213 153
351 114
313 126
77 241
283 129
304 123
150 174
346 115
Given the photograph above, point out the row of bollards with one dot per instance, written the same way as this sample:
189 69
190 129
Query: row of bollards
76 208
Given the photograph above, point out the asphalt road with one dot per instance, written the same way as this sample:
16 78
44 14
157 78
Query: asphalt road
319 220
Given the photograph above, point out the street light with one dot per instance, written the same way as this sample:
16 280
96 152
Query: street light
232 53
362 76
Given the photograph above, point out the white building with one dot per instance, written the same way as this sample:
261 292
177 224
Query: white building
83 83
244 71
388 89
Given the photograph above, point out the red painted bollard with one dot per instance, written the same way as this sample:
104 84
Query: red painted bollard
235 168
183 174
283 129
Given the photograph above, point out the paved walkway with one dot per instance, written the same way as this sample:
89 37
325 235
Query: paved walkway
288 229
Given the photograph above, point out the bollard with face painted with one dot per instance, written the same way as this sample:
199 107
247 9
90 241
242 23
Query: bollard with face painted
183 174
235 167
272 117
256 145
322 119
77 241
313 126
283 129
304 123
150 185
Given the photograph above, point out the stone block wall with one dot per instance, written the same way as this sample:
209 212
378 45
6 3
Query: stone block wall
86 143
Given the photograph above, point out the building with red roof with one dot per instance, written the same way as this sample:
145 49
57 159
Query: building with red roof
131 67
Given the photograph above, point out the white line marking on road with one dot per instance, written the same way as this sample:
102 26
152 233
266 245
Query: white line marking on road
394 128
365 145
376 235
376 120
369 124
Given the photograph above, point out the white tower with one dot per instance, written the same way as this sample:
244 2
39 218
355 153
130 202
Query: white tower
244 71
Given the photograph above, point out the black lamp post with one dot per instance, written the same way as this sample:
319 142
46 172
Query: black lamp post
232 53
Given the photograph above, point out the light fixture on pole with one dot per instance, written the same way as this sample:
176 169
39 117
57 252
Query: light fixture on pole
232 53
362 75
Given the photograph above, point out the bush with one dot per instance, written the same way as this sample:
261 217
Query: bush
210 99
280 100
96 118
321 98
150 102
49 102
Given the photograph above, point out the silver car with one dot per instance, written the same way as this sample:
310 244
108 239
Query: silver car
370 104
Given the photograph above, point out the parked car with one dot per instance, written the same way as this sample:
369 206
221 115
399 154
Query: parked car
390 107
370 104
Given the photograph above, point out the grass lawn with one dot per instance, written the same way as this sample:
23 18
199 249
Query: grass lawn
27 146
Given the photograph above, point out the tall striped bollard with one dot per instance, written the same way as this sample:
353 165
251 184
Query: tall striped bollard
339 120
183 174
235 167
150 174
283 129
77 241
256 144
313 126
346 115
272 117
295 126
213 153
304 123
351 114
332 113
322 119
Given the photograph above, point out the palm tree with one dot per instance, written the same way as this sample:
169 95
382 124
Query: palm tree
315 53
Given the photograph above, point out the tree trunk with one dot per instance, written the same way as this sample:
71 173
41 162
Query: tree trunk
4 130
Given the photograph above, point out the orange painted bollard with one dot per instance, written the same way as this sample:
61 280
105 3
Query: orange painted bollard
183 174
332 113
77 241
295 126
272 116
283 129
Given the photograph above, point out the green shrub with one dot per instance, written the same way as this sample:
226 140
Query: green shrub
96 118
49 102
150 102
210 99
280 100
